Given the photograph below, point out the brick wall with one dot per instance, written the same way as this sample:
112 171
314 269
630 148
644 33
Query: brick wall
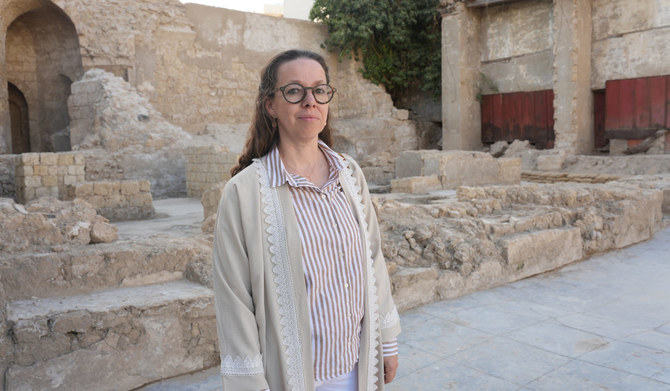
117 200
206 167
46 174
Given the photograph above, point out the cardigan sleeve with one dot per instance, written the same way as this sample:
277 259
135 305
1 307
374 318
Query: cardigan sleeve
242 366
388 314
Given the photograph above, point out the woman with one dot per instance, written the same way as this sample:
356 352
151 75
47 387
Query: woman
302 291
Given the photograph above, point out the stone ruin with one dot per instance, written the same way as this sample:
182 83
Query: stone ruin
86 304
75 290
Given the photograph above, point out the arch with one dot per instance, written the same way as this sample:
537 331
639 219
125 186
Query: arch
42 59
18 115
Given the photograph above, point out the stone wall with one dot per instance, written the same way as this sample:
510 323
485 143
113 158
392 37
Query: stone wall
571 47
423 171
7 182
629 40
516 47
47 174
117 201
200 66
207 166
440 246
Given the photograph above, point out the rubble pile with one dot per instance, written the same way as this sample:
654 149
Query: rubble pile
47 223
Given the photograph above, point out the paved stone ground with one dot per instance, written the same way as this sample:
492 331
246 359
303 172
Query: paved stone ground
601 324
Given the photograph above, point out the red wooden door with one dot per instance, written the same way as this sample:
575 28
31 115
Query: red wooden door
637 108
519 116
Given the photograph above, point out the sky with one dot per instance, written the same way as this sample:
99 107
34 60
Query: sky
240 5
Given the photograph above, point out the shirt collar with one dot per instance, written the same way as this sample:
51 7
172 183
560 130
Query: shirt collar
279 175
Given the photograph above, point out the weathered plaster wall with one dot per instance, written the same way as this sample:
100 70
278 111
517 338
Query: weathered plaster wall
630 39
200 66
516 46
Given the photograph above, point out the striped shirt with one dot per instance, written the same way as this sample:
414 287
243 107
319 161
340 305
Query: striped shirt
333 266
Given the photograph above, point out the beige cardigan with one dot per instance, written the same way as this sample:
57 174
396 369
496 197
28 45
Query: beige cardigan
261 301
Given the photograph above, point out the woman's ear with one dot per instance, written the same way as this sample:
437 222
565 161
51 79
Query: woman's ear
270 108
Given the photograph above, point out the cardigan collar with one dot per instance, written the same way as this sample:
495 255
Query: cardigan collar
279 175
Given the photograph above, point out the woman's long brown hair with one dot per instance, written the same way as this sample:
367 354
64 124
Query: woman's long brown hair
262 136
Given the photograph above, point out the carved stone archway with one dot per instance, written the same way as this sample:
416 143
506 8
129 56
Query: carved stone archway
42 58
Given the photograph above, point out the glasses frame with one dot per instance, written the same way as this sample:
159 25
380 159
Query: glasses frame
304 92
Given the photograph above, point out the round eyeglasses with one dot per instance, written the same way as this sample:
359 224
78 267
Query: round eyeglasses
295 93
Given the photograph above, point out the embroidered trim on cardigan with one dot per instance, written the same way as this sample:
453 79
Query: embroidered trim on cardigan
390 319
239 366
284 283
355 190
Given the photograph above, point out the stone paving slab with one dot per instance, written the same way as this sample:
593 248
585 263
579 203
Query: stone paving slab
601 324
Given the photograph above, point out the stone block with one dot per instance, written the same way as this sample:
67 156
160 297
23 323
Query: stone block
79 159
33 181
24 171
83 190
130 187
50 180
417 184
57 170
136 327
27 159
49 159
618 147
65 159
40 170
536 252
666 201
70 180
28 194
553 162
102 188
43 191
509 171
97 201
409 164
145 186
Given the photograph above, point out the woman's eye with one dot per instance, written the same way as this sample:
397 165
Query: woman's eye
294 91
320 90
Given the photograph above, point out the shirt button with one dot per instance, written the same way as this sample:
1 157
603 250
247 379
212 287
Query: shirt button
335 225
346 285
323 196
341 255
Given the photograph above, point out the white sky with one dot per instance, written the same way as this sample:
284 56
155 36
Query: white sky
240 5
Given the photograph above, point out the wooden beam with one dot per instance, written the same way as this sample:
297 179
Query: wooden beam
486 3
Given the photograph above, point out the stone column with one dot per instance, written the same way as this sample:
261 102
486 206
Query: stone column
573 100
461 116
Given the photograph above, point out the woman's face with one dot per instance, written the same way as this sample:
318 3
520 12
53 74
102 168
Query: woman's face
303 121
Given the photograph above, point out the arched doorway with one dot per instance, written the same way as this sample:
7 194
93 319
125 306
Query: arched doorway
18 115
42 59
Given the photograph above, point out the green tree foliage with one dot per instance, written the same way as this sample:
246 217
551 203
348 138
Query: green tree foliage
398 41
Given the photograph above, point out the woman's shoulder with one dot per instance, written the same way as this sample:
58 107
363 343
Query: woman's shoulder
246 178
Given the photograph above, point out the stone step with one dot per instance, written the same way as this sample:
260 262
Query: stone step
100 266
525 220
118 339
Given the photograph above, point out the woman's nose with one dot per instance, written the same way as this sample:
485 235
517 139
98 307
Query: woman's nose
309 99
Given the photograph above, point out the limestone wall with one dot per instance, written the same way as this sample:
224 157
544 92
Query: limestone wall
122 200
7 185
207 166
46 174
424 171
516 46
571 47
630 39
